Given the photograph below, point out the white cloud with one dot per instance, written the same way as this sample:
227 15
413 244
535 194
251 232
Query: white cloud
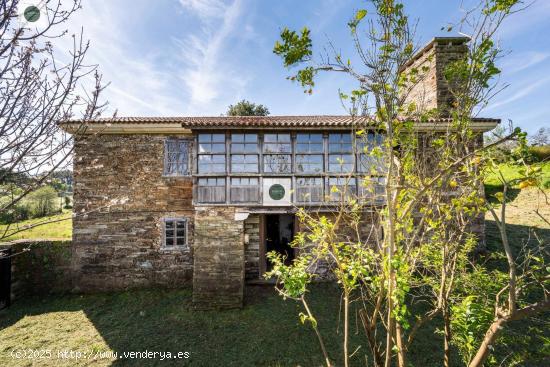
526 20
209 72
139 84
204 8
523 60
521 91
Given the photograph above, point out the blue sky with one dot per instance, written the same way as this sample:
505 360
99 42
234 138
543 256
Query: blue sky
195 57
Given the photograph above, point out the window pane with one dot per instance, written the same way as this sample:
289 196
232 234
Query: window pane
309 143
251 138
244 189
310 163
277 147
244 163
277 163
309 189
346 187
212 163
244 143
218 148
340 162
218 138
176 157
340 143
237 138
211 190
372 187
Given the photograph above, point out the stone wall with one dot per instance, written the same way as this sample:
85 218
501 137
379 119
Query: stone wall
252 248
40 267
369 233
432 91
218 275
120 199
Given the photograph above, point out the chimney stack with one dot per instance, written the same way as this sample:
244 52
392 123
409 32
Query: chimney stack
432 90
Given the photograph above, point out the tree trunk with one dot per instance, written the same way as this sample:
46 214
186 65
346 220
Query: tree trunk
492 333
346 328
447 337
401 348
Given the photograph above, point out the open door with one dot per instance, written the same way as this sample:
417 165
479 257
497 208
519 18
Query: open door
278 234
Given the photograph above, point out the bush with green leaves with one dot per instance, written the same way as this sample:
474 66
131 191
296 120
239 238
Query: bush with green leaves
43 202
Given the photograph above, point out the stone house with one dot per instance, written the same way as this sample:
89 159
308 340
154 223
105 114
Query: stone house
201 200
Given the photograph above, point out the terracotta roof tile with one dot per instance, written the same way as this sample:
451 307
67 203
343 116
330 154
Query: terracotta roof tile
252 121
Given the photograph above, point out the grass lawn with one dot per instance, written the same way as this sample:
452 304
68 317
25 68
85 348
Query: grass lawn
56 230
266 332
512 172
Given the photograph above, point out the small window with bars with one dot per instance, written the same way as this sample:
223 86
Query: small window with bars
175 233
176 157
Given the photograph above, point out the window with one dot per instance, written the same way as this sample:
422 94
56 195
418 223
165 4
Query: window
277 157
211 190
245 190
372 187
309 189
340 158
176 157
342 187
309 153
211 153
367 163
244 153
175 232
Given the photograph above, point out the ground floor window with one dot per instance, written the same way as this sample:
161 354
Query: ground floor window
175 232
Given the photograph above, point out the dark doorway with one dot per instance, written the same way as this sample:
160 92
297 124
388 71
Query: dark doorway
279 233
5 278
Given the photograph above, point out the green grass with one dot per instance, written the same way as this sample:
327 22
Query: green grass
512 172
266 332
55 230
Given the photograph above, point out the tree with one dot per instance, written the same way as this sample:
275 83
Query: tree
541 137
39 86
422 194
42 202
246 108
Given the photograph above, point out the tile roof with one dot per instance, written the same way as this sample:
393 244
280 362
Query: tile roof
251 121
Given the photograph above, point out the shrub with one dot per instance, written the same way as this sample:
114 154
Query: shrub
17 213
67 203
540 153
43 202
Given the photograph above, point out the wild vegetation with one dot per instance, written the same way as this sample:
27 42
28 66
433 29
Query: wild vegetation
40 85
423 250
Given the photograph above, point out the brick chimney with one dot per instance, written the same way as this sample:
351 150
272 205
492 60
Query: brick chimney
432 91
